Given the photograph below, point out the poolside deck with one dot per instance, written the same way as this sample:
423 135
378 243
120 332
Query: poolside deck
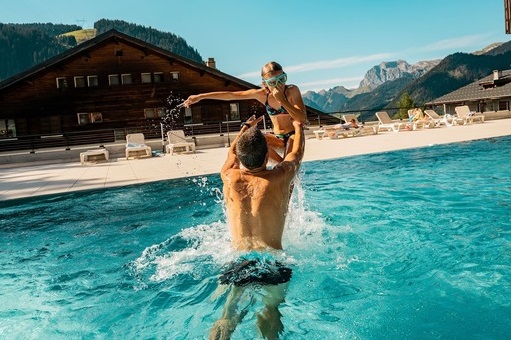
35 180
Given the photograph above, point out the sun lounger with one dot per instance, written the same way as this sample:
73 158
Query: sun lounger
135 146
332 132
94 155
419 120
466 116
439 120
387 123
176 139
335 131
362 130
319 133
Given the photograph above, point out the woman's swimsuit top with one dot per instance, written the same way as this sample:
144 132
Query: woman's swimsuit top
273 112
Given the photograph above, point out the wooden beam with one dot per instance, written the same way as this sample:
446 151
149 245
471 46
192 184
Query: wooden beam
507 10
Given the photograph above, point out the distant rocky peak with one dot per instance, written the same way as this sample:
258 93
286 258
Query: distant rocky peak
392 70
488 48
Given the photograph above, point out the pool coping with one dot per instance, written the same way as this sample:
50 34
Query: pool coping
28 180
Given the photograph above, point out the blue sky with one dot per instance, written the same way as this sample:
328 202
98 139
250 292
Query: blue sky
321 44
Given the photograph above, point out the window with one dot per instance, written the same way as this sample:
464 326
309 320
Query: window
92 81
158 77
61 83
188 115
174 75
96 117
50 124
83 118
154 112
146 78
126 79
80 81
7 128
86 117
113 79
235 111
503 106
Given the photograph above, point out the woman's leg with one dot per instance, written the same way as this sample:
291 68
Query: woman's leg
274 144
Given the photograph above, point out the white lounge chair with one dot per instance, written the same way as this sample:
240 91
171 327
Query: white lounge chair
465 116
135 146
177 139
419 120
363 130
387 123
439 120
338 130
319 133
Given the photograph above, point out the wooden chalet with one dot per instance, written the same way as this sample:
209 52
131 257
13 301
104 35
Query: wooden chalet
112 85
490 95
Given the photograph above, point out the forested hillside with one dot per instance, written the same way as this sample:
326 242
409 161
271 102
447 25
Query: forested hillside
25 45
453 72
368 103
167 41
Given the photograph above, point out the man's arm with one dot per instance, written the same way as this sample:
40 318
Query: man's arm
293 159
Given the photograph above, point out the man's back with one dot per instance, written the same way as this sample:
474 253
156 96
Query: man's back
256 205
257 198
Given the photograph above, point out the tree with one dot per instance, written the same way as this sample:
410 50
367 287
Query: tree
404 104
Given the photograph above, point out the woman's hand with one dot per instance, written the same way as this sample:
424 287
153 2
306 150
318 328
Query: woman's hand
191 100
278 92
252 120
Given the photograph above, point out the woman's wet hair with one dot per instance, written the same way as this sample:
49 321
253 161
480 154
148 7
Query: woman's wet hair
272 66
252 148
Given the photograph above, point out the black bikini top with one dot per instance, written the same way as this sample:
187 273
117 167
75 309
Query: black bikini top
273 112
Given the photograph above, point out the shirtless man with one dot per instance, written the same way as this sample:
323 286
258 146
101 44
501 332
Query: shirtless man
257 201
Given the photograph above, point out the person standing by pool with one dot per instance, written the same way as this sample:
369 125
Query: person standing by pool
256 200
283 103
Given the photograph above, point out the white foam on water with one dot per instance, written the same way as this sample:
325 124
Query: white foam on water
204 244
209 245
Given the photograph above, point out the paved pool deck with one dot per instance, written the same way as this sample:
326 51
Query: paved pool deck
28 180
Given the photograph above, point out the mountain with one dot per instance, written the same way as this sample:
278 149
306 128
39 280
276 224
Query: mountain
25 45
384 84
368 103
165 40
389 71
339 98
328 100
453 72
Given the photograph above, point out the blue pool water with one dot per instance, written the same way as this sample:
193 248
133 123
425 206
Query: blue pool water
401 245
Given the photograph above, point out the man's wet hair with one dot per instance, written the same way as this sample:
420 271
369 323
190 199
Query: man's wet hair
252 148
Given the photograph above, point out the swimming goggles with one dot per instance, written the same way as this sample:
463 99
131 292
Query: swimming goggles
273 81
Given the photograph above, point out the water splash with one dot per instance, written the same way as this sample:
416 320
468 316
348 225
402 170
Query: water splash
303 226
190 252
201 250
172 112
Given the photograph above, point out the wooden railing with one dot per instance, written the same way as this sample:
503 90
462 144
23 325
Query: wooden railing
65 140
100 137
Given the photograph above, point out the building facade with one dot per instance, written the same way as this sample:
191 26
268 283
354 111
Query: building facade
490 95
113 85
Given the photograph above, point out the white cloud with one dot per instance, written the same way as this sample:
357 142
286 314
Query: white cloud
456 43
351 82
325 64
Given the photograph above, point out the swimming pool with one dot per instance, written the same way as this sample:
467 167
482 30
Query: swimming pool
406 244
